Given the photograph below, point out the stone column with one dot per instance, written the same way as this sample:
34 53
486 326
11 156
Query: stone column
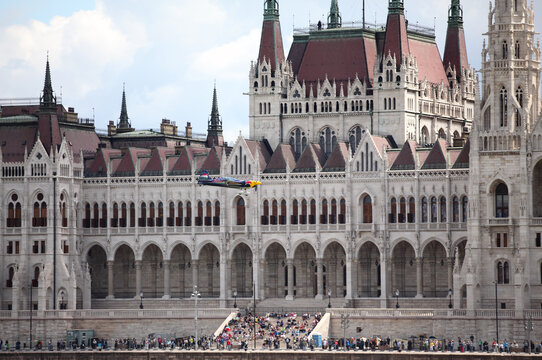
419 277
229 279
349 282
450 273
384 284
167 290
138 278
320 278
195 266
110 286
260 290
290 264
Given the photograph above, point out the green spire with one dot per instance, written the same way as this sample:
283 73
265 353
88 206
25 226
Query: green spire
48 98
215 122
124 123
271 10
334 19
455 14
396 7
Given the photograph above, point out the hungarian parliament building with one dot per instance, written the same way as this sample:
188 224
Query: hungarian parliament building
388 172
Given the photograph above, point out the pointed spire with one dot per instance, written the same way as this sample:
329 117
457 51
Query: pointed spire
334 20
271 47
396 7
455 14
48 99
124 123
214 128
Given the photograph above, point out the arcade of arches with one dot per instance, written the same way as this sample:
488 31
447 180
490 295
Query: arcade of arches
305 275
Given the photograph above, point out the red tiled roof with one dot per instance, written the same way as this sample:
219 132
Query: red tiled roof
8 111
454 153
396 42
81 140
295 56
16 140
463 159
429 61
437 158
212 162
49 131
406 160
263 150
381 143
455 52
339 59
310 159
153 165
282 157
338 158
126 166
271 47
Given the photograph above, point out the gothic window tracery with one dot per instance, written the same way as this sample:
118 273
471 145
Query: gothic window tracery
298 141
328 140
517 111
504 107
355 137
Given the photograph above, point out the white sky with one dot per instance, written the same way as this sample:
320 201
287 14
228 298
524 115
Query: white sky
170 52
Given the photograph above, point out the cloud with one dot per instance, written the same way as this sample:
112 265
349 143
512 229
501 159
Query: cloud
231 60
85 46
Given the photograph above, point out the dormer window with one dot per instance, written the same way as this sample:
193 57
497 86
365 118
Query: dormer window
327 93
357 92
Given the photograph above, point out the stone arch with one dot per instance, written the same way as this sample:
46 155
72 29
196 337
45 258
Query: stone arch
152 272
96 257
181 272
199 247
334 257
410 242
435 274
209 271
325 245
368 270
275 270
241 270
404 269
304 270
124 279
430 240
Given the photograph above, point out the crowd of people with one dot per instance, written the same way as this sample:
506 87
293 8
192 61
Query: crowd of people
273 331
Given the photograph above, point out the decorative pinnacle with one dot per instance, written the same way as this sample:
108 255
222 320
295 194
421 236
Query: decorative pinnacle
124 123
271 9
396 7
215 122
455 13
334 20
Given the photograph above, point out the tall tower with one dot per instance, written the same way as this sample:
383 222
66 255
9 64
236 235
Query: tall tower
124 121
455 52
502 185
48 117
269 78
396 43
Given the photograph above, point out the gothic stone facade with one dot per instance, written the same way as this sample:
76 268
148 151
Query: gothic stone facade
343 210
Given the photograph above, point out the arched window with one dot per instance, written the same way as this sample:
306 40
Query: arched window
501 201
333 216
160 217
328 140
443 209
324 215
304 212
14 212
504 107
517 48
455 209
86 220
402 210
411 210
503 272
11 274
199 216
295 212
171 215
188 217
143 215
216 219
425 136
424 210
393 210
36 278
282 218
367 210
124 215
180 214
517 111
355 137
442 134
132 215
241 211
152 215
103 220
504 50
265 216
434 210
274 212
312 216
342 211
95 216
298 141
208 214
115 219
465 208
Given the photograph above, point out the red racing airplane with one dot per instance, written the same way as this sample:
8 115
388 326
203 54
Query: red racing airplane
227 182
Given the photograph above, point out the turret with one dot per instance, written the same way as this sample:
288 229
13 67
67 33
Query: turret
49 132
271 47
455 52
334 19
124 121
